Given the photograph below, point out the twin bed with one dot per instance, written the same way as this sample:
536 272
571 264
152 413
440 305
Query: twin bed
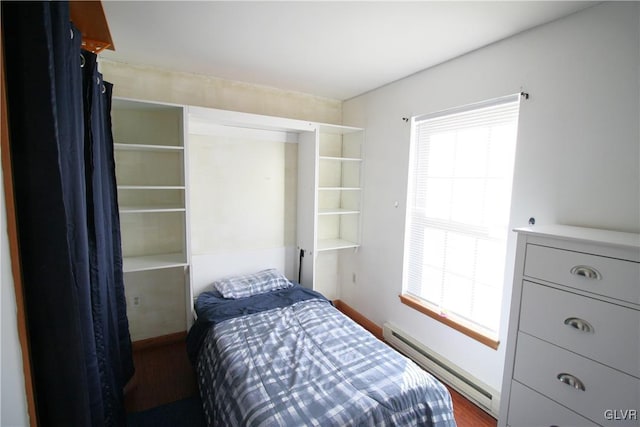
269 352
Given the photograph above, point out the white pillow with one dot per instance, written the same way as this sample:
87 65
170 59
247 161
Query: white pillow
251 284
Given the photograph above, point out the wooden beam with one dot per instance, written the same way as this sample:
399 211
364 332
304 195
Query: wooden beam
90 19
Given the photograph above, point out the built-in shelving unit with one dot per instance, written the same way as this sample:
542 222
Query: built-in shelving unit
327 193
329 204
149 144
154 262
321 219
339 187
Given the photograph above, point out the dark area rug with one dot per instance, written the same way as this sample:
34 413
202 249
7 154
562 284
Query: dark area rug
183 413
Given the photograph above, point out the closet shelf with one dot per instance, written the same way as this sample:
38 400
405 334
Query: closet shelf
341 159
153 262
147 147
151 209
337 211
151 171
151 187
333 244
339 188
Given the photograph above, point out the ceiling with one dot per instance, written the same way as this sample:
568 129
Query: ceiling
333 49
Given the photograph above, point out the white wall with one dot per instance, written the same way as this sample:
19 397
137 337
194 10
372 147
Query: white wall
577 158
242 206
238 186
153 84
13 404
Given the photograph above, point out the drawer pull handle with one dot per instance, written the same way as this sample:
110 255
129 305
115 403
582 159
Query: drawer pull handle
572 381
586 272
579 324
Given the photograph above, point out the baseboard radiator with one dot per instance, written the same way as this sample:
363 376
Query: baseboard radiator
464 383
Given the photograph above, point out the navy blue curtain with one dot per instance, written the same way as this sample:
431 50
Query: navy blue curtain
67 212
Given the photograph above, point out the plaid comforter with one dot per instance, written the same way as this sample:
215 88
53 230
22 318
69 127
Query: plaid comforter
309 365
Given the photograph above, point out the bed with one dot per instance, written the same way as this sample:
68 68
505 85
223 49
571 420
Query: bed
282 355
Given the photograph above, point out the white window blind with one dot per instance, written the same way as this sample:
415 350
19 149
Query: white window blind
459 199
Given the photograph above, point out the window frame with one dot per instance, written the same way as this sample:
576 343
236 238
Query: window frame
451 320
423 306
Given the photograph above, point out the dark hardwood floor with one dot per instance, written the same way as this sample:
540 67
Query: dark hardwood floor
163 373
468 414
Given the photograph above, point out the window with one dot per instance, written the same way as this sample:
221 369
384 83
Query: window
459 199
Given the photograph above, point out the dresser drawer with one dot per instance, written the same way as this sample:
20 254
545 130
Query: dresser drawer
595 329
603 276
529 408
542 366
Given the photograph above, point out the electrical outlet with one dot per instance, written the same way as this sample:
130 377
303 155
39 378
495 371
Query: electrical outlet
136 301
353 277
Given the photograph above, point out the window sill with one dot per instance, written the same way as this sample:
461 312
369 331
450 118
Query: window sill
469 331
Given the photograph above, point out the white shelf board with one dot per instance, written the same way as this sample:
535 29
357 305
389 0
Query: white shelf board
151 187
147 147
148 209
339 188
153 262
341 159
333 244
337 211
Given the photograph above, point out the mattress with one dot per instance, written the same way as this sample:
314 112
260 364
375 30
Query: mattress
295 360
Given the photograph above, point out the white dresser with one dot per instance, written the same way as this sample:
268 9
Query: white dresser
573 351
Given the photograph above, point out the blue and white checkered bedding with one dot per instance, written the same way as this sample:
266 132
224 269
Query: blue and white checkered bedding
307 364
